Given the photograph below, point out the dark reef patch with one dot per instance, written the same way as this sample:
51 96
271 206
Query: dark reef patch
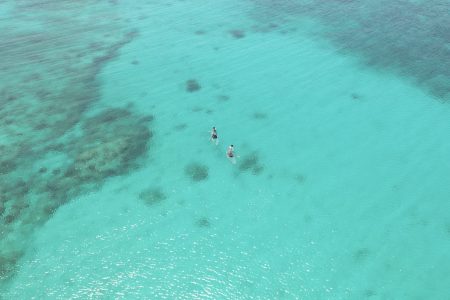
196 171
237 34
147 118
10 218
361 255
356 97
192 85
8 262
196 109
152 196
203 222
53 100
180 127
369 293
7 166
300 178
259 116
200 32
392 35
223 98
265 28
135 62
112 142
250 162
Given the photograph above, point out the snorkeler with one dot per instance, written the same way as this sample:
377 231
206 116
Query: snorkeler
214 138
230 154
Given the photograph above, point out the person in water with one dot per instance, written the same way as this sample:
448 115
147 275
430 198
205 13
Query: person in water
214 138
230 154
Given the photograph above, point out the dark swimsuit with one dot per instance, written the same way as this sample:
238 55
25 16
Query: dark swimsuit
214 136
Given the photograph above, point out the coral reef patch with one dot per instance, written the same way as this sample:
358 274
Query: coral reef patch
259 115
237 34
196 171
203 222
409 38
223 98
52 148
152 196
250 162
300 178
360 255
180 127
192 85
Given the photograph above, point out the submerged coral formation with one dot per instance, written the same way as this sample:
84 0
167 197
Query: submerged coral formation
223 98
192 85
51 150
203 222
152 196
251 163
407 37
259 115
237 34
196 171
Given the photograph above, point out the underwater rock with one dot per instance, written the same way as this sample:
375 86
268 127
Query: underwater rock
203 222
60 188
102 160
196 109
111 143
251 163
356 96
300 178
192 86
7 166
10 218
148 118
223 98
369 293
104 118
361 255
237 34
180 127
196 171
8 262
259 115
152 196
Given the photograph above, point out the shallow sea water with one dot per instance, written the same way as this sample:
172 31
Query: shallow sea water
340 190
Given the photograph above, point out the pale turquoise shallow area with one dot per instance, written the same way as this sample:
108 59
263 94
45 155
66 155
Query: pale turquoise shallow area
351 201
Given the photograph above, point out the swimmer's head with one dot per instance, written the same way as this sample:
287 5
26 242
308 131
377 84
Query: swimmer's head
231 146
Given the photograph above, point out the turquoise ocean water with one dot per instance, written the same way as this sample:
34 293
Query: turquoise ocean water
338 110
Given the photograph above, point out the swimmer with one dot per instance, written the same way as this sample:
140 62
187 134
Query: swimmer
214 138
230 154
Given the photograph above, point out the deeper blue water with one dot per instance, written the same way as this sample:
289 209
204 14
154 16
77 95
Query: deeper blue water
338 111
